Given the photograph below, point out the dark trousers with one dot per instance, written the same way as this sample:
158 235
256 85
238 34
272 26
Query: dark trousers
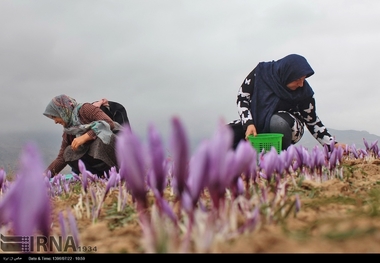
95 166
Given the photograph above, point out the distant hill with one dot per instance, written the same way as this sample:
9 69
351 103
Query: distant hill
349 137
48 143
11 145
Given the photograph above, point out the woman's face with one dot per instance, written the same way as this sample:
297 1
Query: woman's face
298 83
59 121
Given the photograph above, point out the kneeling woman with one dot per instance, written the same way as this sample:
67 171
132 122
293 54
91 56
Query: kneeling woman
276 98
87 136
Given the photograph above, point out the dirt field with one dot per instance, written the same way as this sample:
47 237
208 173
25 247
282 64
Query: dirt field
339 215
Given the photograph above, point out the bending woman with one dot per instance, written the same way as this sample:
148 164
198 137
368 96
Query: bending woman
88 135
276 98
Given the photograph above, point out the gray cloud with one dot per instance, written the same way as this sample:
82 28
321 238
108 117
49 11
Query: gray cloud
183 58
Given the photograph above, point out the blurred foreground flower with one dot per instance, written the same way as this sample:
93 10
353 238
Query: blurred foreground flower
130 155
180 151
26 205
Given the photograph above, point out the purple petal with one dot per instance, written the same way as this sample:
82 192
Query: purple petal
111 182
130 155
165 207
245 155
219 149
180 154
354 151
85 173
269 163
219 145
366 144
198 172
73 227
239 186
26 203
63 225
158 178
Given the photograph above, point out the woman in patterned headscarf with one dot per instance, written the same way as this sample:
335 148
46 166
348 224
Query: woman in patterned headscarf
276 98
88 135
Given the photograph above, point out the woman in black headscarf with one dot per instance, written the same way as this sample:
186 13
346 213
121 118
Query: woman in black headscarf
276 98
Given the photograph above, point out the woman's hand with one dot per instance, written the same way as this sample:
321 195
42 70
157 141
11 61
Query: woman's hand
251 130
78 141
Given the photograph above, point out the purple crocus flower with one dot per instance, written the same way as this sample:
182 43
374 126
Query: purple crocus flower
157 176
112 181
198 176
286 159
61 221
354 151
245 155
231 173
239 186
130 156
327 152
164 206
48 174
253 170
305 156
73 227
333 160
319 160
180 154
371 148
269 163
375 148
340 152
246 160
85 174
27 204
367 147
219 146
363 152
298 163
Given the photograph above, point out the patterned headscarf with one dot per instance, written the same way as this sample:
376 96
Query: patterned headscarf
61 106
67 108
270 87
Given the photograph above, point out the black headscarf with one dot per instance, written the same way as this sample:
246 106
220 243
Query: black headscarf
270 87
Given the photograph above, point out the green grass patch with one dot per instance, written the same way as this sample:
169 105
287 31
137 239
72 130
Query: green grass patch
119 218
352 233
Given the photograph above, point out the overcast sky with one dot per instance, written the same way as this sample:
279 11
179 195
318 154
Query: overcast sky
185 58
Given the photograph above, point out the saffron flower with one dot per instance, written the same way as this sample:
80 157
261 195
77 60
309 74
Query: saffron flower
112 181
157 176
219 146
27 204
130 155
198 176
269 163
246 161
72 227
180 154
354 151
287 156
85 175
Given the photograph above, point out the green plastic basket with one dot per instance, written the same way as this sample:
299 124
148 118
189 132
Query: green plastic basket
266 141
